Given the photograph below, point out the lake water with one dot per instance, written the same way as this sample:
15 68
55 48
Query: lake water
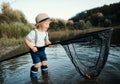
61 69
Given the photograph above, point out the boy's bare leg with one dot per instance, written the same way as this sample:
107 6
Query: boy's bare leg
44 63
37 65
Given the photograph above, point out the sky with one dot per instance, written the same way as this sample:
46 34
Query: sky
61 9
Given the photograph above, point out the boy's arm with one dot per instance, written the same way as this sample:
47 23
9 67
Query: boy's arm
27 42
47 42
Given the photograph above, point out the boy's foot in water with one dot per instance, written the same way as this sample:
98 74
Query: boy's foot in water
36 81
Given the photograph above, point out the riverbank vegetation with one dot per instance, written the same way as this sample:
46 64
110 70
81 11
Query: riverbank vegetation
14 26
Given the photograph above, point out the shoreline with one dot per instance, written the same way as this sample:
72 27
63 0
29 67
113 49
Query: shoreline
11 51
6 49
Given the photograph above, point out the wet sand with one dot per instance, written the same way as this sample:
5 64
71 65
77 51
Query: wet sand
61 69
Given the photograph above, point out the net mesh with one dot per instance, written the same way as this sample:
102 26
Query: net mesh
89 52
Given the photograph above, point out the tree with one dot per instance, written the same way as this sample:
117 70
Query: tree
76 25
6 10
69 24
107 23
81 24
13 15
88 24
19 16
4 18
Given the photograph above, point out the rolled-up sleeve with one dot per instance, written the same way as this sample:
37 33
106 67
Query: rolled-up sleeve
31 36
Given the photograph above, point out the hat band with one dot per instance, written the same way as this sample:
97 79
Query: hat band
43 20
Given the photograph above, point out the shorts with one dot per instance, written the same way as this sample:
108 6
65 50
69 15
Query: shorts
38 56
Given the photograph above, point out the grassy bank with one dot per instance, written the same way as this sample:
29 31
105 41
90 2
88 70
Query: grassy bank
14 30
4 42
14 34
53 35
66 34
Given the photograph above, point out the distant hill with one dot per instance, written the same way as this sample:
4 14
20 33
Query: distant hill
107 15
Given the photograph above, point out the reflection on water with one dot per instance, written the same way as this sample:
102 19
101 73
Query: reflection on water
61 69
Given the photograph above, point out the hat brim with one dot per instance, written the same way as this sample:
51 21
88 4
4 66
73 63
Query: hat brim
43 20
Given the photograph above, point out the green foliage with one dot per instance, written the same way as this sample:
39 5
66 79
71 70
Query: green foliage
61 24
54 26
13 30
4 18
76 25
58 24
9 15
88 24
11 41
82 24
69 24
107 23
97 16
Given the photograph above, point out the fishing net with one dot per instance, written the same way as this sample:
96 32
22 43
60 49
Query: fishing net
89 52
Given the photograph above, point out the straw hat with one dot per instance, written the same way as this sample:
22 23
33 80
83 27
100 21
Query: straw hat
41 17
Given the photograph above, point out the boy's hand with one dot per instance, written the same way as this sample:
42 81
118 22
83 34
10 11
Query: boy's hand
50 46
34 49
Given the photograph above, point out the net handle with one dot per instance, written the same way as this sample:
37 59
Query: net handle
59 42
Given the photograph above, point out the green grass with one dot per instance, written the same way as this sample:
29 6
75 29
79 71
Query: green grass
10 42
14 33
53 35
13 30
